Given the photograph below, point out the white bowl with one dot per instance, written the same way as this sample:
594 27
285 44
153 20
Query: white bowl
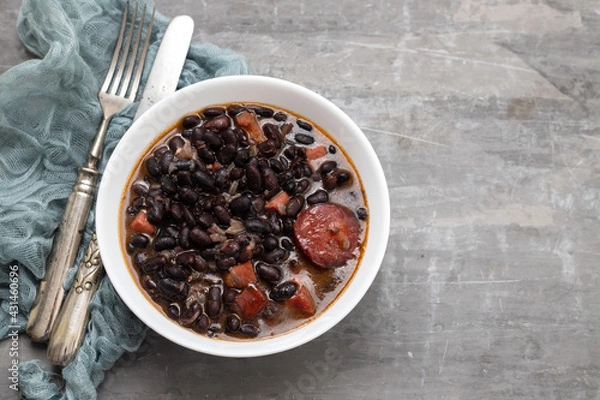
165 114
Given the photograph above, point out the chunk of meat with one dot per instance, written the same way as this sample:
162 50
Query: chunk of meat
241 275
302 301
312 153
140 224
327 234
278 202
250 301
249 122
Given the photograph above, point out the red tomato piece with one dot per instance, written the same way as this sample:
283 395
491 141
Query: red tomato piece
327 234
250 301
302 301
141 224
278 202
240 275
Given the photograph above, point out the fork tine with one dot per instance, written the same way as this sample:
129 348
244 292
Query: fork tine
115 58
116 82
132 59
140 67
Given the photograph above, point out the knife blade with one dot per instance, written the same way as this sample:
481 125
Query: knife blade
168 63
69 330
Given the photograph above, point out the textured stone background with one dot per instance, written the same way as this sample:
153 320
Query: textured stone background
484 115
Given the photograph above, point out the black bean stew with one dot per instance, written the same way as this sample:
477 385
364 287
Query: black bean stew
244 221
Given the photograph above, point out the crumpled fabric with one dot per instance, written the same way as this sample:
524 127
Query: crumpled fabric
49 115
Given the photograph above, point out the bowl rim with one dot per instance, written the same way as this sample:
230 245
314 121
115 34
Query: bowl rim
126 154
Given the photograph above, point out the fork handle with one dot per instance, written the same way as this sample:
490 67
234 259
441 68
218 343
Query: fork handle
69 329
62 256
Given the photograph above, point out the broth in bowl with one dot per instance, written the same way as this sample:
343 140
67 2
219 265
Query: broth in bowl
243 221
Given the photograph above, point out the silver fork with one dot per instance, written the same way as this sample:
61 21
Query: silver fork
118 90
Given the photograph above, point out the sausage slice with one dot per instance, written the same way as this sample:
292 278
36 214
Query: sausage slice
327 234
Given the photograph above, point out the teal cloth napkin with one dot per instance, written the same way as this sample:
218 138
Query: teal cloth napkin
49 114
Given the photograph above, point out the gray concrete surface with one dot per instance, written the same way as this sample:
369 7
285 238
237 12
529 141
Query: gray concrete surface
485 117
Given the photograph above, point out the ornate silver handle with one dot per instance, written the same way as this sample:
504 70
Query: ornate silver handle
62 256
69 329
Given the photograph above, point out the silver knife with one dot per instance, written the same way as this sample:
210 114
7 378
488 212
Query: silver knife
69 330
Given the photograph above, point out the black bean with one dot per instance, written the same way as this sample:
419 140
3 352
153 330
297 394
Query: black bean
209 253
254 178
233 323
327 167
304 138
294 206
152 167
270 243
184 178
343 177
188 195
204 179
172 288
212 112
154 263
226 154
171 231
264 111
201 324
304 125
287 244
139 259
320 196
225 262
302 185
139 240
272 132
332 149
288 226
173 310
176 142
200 237
148 283
206 155
164 243
289 186
276 224
197 136
222 215
249 330
235 109
190 121
176 272
283 291
183 165
270 179
229 295
141 187
241 157
213 303
230 247
190 314
362 213
240 205
330 182
268 273
257 225
167 185
221 178
268 148
230 136
275 255
206 220
155 214
165 161
276 165
280 116
289 153
213 140
192 260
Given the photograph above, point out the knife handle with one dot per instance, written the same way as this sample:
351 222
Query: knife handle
69 329
62 256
